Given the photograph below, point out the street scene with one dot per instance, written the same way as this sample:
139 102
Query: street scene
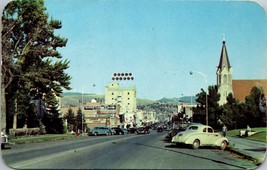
120 152
133 84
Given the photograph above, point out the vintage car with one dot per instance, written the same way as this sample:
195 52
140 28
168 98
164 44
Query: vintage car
200 135
143 130
119 131
101 130
178 129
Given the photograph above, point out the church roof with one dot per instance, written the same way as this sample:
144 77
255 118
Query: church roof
224 60
242 88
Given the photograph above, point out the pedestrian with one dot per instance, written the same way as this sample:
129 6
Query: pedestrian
224 130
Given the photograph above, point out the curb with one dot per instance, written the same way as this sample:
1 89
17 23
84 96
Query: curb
245 156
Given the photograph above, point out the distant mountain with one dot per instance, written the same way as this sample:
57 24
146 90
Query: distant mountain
187 99
75 98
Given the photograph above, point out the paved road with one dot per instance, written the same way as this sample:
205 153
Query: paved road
119 152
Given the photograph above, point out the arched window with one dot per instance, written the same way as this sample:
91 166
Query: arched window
229 78
225 79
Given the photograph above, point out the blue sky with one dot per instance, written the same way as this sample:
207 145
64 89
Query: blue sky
159 42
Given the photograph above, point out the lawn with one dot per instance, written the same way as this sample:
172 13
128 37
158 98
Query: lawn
260 136
40 138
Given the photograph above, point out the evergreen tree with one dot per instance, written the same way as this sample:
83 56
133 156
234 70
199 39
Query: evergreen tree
252 110
80 121
31 63
71 123
213 106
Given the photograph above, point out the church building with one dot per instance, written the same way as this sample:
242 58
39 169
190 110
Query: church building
226 85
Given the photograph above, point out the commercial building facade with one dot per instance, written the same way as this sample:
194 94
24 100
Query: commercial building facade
125 99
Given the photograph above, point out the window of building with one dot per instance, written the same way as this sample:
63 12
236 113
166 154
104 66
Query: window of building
225 79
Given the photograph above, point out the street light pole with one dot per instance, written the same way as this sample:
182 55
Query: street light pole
82 112
206 80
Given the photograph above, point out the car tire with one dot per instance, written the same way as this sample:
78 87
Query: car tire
95 134
108 133
196 144
223 145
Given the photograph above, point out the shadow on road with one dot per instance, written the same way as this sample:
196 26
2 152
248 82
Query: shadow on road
201 157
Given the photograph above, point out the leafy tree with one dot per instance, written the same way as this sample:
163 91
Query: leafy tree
31 63
252 110
237 114
231 113
213 106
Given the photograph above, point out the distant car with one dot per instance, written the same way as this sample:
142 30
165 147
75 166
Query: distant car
100 130
160 129
132 130
125 130
142 130
113 132
201 135
118 131
4 140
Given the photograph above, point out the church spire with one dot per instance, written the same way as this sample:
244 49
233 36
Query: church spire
224 75
224 60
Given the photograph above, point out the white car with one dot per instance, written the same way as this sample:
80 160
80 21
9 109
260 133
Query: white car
201 135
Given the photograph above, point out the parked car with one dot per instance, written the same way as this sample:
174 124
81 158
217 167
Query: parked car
125 130
113 132
100 130
118 131
201 135
132 130
4 140
142 130
178 129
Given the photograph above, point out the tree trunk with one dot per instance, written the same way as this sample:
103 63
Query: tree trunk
15 114
3 108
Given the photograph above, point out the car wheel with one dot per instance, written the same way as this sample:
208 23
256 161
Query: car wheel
196 144
95 134
108 133
223 145
120 133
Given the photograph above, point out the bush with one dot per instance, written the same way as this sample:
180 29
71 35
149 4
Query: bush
24 132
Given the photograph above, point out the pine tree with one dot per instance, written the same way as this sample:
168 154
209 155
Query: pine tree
80 121
31 62
70 118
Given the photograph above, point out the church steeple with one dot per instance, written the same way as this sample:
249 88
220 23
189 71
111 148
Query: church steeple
224 60
224 75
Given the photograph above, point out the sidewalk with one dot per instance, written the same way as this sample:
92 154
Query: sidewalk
252 149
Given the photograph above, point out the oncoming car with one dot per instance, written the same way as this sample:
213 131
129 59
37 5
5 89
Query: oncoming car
200 135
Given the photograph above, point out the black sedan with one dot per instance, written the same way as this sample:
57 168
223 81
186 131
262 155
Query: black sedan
142 130
118 131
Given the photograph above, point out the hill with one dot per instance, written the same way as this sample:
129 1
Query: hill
74 98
